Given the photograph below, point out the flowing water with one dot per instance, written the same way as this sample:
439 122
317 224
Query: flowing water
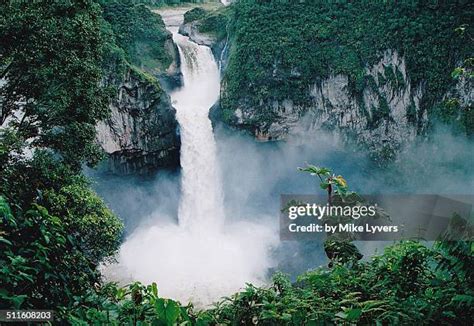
201 198
202 257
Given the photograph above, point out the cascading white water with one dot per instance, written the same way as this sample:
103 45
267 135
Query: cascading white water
201 198
200 259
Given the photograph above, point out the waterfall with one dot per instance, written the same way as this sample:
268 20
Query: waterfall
201 198
203 257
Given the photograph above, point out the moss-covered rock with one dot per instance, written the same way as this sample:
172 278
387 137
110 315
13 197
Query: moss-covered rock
374 70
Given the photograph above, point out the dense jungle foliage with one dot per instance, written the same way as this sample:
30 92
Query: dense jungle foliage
213 22
281 47
140 33
56 61
408 284
54 230
161 3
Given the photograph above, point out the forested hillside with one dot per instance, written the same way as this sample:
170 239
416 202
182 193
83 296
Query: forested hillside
140 33
160 3
62 66
54 229
306 41
140 135
369 69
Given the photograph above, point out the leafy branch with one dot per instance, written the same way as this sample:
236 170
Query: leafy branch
328 181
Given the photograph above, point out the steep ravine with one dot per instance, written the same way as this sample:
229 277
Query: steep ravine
141 135
386 112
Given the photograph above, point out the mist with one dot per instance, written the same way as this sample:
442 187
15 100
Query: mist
253 176
204 231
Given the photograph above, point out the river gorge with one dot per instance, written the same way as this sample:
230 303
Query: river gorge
204 232
238 162
193 259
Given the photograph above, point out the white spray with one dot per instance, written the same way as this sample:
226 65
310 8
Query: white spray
201 198
202 258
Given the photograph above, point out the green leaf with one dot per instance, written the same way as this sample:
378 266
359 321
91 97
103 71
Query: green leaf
353 314
160 307
457 72
341 315
315 170
18 300
167 311
2 239
172 312
154 289
324 185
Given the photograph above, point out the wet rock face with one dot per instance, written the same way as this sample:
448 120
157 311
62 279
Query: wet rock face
141 134
192 31
383 116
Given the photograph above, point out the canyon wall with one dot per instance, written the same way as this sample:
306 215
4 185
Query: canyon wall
141 134
360 70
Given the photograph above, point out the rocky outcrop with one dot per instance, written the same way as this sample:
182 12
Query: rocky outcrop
192 31
383 116
219 46
172 77
141 134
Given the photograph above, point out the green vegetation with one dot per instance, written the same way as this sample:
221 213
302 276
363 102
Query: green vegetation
280 47
45 261
213 22
407 284
135 304
140 33
334 185
51 57
54 230
455 111
194 14
161 3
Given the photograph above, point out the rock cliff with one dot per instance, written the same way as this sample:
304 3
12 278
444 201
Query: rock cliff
359 69
141 63
209 28
141 134
383 117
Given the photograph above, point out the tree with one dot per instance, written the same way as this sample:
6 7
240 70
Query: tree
42 265
50 59
338 250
